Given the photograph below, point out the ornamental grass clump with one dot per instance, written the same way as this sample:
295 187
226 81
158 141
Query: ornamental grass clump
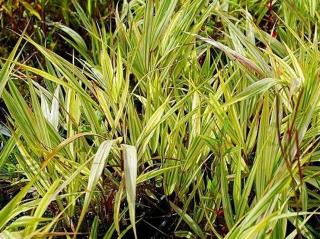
194 119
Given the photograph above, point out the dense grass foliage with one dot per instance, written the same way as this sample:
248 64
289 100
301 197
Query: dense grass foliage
178 118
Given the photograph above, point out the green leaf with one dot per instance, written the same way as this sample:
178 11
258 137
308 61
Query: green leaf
130 174
256 88
191 223
98 164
